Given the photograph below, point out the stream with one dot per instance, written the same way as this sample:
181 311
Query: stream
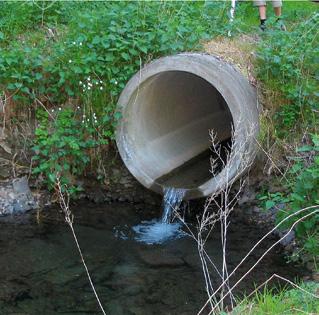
41 272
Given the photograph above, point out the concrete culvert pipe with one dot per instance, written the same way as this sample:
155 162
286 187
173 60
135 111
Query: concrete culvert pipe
169 109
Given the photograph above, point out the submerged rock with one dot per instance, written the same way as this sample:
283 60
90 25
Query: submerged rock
16 197
160 258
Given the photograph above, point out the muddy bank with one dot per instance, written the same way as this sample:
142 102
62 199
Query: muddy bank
118 185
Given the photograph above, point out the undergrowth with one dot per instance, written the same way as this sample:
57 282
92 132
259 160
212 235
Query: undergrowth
288 63
293 301
75 54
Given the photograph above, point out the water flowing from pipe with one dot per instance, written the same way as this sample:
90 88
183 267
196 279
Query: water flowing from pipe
172 201
158 231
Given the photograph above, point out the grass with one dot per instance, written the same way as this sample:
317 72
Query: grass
290 302
293 12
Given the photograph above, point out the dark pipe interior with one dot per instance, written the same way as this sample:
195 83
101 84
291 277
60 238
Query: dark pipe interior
174 112
198 170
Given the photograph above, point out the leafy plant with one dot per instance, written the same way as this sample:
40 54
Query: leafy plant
108 40
302 192
270 200
62 143
84 54
288 61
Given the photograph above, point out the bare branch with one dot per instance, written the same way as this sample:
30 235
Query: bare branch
64 199
264 254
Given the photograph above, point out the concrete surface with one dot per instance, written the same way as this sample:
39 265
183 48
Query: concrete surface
169 109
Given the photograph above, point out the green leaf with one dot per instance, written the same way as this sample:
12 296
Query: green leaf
109 57
25 90
269 204
143 49
38 76
305 148
125 56
133 52
52 177
18 85
297 167
96 40
117 115
297 197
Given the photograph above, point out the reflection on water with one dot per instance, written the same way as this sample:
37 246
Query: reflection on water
41 272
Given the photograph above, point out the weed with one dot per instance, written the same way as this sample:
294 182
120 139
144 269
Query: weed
293 301
287 61
62 143
301 191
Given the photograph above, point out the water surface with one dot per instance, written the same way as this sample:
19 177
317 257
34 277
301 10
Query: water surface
41 272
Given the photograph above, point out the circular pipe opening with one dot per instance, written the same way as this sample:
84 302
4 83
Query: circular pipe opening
169 110
177 111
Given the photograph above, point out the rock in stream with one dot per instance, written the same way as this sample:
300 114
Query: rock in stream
16 197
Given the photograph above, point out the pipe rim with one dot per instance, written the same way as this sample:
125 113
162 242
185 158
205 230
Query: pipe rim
183 62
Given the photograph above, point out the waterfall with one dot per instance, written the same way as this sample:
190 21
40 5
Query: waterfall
158 231
172 200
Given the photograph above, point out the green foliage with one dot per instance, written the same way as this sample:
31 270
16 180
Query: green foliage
302 192
108 40
83 53
289 62
305 193
294 301
270 200
62 143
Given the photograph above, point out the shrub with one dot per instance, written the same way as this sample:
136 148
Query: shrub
288 62
301 192
62 143
304 192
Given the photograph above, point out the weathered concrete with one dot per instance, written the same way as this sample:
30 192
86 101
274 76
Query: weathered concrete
168 110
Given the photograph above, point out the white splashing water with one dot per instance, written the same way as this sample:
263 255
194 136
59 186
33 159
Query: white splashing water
173 198
159 231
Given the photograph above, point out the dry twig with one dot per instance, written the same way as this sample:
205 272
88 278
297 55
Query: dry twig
64 204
